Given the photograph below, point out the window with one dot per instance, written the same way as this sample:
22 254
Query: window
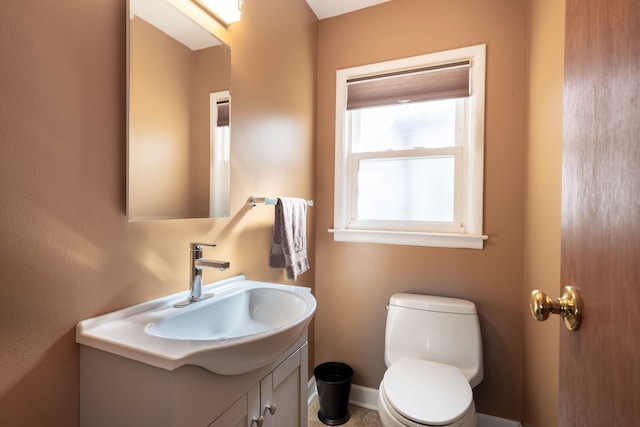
410 151
219 152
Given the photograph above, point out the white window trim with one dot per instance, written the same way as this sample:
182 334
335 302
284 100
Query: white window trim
471 236
219 140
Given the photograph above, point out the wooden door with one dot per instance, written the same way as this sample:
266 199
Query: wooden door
600 363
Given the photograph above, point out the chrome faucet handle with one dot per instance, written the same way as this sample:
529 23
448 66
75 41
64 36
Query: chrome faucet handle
199 246
197 264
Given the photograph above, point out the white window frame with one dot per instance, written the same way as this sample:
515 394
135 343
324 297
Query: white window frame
219 158
469 232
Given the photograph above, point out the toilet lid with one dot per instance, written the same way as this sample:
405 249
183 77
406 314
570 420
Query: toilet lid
427 392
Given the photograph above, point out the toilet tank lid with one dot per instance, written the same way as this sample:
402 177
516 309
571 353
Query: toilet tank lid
433 303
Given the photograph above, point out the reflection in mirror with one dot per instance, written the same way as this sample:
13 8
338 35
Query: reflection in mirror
178 107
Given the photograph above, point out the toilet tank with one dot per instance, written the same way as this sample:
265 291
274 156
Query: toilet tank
439 329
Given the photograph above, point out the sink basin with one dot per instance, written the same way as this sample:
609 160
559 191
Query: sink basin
241 314
245 326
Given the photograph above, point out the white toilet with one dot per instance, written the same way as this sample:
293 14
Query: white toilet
433 352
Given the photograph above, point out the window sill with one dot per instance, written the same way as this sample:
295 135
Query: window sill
410 238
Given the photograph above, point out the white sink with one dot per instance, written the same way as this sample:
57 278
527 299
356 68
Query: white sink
246 325
245 312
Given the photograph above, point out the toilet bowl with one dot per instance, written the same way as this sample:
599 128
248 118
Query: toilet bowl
433 352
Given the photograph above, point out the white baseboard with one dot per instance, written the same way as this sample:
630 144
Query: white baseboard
312 391
368 398
364 397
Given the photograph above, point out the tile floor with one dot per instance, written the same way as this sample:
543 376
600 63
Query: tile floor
360 417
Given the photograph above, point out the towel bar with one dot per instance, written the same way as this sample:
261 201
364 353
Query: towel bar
253 201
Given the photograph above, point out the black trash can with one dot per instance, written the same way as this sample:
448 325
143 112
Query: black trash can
333 380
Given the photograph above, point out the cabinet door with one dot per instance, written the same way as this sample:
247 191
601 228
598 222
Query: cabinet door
235 416
279 400
288 391
254 404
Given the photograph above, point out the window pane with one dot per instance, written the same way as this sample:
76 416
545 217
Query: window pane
406 189
429 124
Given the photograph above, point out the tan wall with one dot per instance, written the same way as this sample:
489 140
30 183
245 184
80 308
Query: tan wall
66 250
160 125
542 207
354 281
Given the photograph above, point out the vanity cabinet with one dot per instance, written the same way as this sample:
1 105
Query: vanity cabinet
275 401
117 391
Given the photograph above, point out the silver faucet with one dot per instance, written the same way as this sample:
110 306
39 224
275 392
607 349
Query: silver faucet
197 264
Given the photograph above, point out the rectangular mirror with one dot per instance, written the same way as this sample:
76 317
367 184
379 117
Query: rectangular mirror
178 116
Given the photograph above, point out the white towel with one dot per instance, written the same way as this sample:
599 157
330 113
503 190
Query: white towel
289 243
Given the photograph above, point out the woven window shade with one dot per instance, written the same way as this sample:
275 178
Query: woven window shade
423 84
223 113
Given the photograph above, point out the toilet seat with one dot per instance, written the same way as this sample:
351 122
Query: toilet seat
427 393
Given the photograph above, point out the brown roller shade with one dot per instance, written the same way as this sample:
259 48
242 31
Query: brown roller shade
223 113
423 84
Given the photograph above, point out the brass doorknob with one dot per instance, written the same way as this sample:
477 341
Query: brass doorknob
568 306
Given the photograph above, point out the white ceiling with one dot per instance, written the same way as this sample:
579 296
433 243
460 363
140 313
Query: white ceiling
168 19
164 16
328 8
